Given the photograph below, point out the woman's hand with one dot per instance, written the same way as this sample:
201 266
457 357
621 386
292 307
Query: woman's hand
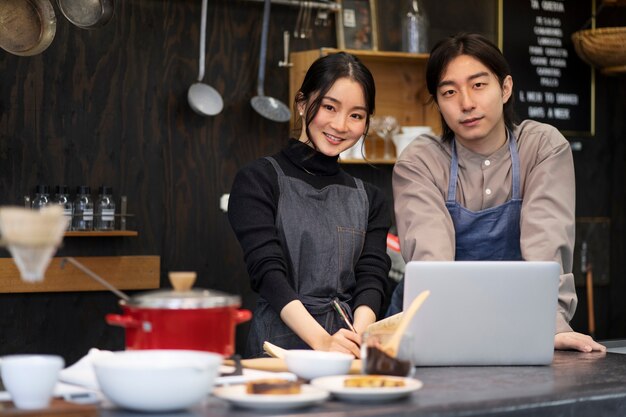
344 341
577 341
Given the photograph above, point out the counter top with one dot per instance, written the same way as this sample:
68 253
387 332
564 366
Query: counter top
577 384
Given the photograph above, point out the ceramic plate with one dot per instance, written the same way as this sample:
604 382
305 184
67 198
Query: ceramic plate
334 384
237 395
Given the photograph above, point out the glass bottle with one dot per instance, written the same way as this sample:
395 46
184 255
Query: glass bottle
62 198
42 197
414 28
105 209
83 209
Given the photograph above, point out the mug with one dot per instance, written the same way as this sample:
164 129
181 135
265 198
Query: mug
30 379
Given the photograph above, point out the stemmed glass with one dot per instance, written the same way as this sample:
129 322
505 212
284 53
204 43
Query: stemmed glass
385 127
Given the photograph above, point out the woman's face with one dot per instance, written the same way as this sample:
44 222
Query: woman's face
340 120
471 101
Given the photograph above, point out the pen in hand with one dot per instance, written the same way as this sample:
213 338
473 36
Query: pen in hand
343 315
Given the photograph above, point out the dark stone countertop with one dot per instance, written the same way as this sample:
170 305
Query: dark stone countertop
577 384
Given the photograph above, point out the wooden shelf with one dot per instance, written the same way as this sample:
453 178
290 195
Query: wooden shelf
388 56
123 272
102 233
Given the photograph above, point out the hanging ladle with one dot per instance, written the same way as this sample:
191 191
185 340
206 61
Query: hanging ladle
267 107
204 99
95 276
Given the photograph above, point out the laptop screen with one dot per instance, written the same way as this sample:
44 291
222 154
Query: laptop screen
483 312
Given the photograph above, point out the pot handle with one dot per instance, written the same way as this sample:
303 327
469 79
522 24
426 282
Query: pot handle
122 321
242 316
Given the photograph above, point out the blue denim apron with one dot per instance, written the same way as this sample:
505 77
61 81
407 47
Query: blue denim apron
322 233
491 234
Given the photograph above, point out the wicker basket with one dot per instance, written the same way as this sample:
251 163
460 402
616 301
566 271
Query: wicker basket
603 48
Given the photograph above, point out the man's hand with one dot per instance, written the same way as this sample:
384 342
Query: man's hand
577 341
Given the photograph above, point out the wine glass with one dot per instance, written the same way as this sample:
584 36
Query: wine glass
385 127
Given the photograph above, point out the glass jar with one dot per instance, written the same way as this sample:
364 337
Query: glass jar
62 198
83 209
42 197
105 209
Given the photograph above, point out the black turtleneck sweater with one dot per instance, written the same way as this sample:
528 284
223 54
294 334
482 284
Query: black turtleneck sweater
252 214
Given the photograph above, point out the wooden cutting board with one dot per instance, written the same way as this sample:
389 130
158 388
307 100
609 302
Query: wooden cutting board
57 408
279 365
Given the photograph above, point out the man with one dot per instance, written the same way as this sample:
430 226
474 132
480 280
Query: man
487 189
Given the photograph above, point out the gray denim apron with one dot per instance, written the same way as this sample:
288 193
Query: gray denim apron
491 234
322 233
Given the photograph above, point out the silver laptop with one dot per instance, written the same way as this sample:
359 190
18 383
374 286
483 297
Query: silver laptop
483 312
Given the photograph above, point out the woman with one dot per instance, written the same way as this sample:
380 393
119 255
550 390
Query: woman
488 189
310 232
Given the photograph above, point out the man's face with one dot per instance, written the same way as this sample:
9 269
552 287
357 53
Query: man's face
471 102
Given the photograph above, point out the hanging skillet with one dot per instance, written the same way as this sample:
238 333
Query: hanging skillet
27 27
87 14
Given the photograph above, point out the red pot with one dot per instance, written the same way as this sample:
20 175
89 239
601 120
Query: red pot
193 319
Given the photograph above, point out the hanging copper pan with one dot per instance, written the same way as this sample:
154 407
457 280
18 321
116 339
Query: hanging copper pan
27 27
87 14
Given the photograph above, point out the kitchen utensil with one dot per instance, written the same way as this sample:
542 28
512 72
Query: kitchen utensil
279 365
391 347
189 319
30 379
296 30
285 62
377 362
266 106
202 98
309 364
96 277
157 380
27 27
87 14
32 237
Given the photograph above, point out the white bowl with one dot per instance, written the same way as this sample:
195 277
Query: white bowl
408 135
157 380
416 130
309 364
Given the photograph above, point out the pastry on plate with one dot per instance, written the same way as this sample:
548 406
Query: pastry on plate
273 386
372 381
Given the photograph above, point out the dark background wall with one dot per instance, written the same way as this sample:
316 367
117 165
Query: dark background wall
109 106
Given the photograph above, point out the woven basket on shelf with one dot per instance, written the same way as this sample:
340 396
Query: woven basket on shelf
603 48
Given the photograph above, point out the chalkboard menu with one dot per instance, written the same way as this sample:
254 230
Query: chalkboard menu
552 84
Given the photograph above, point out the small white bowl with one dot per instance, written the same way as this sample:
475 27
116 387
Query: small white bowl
408 135
309 364
416 130
157 380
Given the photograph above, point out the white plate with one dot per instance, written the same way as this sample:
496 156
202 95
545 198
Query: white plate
237 395
334 384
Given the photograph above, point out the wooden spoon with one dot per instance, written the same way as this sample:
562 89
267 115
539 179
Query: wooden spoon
393 344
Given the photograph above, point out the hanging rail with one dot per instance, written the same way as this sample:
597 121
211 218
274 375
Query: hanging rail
332 6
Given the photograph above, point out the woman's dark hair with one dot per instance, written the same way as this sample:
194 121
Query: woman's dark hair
321 76
478 47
